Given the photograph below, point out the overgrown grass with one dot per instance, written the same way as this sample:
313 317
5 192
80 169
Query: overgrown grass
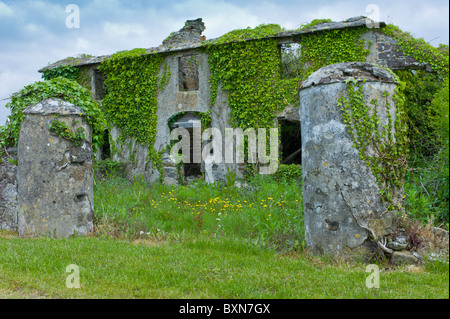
199 241
426 196
266 213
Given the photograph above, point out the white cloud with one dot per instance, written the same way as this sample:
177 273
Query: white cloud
421 19
12 82
5 10
124 29
219 16
35 29
83 44
45 9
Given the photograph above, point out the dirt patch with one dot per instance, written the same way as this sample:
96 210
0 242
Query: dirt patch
149 242
8 234
20 294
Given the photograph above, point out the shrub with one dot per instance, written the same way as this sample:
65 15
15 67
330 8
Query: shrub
419 93
109 168
288 172
427 188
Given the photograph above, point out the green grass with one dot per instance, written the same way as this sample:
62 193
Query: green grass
200 267
266 212
165 242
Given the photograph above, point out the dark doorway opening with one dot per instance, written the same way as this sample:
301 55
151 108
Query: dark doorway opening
106 147
189 121
291 142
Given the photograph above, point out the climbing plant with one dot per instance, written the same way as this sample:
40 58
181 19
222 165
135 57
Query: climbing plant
132 85
419 92
384 149
246 64
250 72
68 68
314 22
332 46
61 129
73 73
420 89
204 117
247 34
66 71
59 87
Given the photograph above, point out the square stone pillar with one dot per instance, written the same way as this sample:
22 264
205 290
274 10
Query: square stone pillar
55 174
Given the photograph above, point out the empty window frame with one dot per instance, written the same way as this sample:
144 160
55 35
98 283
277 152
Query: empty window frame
188 73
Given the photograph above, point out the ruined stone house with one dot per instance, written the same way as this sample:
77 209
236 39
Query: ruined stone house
187 95
188 90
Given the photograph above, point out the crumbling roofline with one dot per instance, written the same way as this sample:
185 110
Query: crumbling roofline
290 36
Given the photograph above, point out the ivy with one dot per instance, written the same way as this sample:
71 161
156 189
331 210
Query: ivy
66 71
250 72
239 35
73 73
62 88
84 79
246 64
384 152
204 117
419 92
313 23
332 46
131 104
420 88
61 129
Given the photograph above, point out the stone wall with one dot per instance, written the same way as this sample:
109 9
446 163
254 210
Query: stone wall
386 52
172 100
8 190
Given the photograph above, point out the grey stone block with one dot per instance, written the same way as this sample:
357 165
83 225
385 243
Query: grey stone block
404 257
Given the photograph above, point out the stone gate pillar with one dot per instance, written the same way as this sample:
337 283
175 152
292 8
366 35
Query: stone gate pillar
55 173
342 207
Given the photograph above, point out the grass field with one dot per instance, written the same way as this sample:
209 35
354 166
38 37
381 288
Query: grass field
199 242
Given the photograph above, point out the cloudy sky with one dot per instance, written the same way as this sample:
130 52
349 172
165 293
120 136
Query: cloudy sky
34 33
